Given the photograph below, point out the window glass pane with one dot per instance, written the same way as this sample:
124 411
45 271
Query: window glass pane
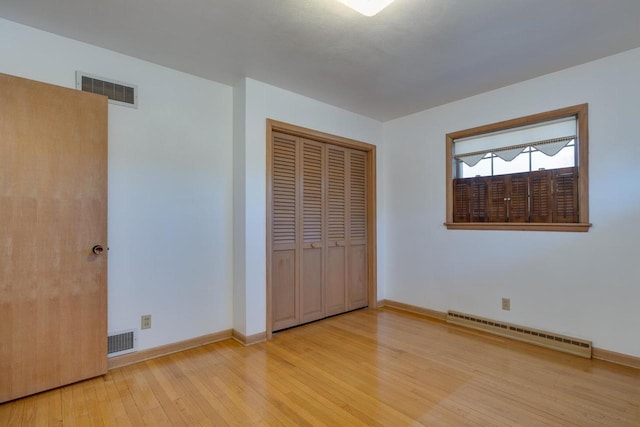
564 159
482 168
517 165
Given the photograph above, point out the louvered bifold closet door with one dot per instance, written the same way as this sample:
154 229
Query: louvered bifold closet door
318 230
336 230
357 230
313 206
285 203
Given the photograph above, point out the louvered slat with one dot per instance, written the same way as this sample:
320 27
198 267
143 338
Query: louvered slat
479 200
335 194
312 192
540 187
357 200
284 191
461 200
566 195
519 194
498 199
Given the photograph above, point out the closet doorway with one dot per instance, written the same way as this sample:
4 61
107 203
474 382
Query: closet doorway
321 234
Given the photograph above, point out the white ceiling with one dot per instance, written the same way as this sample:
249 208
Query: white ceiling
414 55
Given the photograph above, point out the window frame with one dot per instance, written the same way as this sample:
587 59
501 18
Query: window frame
582 145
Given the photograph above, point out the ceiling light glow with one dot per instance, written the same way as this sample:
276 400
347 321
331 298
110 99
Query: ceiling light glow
367 7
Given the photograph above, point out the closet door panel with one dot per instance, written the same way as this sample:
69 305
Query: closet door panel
336 230
284 294
312 289
335 289
312 292
357 242
357 277
284 291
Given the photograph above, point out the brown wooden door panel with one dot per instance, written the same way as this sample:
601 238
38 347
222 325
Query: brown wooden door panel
335 284
284 258
312 191
53 207
357 276
312 212
357 236
357 196
336 194
336 219
312 290
284 293
284 204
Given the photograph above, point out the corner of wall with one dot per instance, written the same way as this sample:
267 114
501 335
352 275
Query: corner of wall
239 207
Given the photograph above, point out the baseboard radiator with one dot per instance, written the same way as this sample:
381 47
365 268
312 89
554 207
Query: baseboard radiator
546 339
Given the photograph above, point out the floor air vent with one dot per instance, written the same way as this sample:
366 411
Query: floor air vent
546 339
121 343
118 93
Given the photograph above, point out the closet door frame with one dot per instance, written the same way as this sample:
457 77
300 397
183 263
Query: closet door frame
314 135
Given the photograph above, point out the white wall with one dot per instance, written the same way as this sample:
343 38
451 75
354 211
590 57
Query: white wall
170 185
580 284
263 101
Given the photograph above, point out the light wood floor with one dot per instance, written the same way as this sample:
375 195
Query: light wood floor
370 367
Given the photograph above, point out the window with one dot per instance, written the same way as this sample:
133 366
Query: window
529 173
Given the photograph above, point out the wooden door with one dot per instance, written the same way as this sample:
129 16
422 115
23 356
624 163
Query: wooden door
53 210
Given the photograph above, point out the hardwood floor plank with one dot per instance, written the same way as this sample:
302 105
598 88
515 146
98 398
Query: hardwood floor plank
291 394
54 407
371 367
11 413
30 410
171 398
111 407
126 397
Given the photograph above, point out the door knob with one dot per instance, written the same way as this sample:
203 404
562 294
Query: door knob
97 249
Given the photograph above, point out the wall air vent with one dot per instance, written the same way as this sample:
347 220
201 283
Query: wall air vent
575 346
122 342
118 93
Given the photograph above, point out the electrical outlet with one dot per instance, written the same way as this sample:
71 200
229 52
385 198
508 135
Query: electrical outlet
145 321
506 304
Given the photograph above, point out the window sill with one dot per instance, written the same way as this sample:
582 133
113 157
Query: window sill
518 226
